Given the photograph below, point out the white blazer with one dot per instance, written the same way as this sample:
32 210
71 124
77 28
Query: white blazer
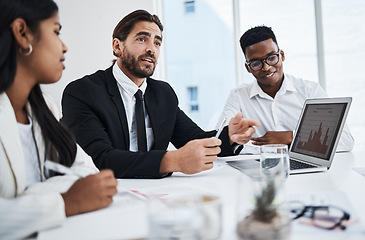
24 211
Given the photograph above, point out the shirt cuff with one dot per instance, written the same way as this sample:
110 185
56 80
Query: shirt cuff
237 148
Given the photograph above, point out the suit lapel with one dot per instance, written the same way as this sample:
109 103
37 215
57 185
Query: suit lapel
117 100
9 135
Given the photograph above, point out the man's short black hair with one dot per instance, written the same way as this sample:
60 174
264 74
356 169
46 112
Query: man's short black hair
255 35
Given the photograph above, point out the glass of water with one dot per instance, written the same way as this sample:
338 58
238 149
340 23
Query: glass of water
185 217
274 161
274 164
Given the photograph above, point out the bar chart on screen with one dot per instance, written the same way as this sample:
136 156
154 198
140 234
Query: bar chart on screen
318 129
314 142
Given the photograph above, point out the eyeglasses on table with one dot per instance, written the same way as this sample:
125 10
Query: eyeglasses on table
327 217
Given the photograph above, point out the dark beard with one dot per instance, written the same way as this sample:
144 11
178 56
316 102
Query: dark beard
131 64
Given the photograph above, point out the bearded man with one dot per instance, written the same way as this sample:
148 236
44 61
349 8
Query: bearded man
125 120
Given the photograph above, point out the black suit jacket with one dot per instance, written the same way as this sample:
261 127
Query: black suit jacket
93 110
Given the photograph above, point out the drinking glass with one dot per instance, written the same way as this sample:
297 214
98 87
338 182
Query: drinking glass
274 161
185 217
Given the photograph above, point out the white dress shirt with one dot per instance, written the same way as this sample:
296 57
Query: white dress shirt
280 113
33 171
127 89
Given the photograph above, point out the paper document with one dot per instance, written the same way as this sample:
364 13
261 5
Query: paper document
360 170
125 218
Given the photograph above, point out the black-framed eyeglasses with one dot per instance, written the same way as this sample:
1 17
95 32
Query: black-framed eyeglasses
270 60
327 217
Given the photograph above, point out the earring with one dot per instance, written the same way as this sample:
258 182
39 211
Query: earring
27 53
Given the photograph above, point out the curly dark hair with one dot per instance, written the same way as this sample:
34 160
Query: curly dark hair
255 35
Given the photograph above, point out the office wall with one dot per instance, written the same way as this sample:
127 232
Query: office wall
87 27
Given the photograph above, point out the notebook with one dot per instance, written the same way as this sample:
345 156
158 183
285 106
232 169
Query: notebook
315 140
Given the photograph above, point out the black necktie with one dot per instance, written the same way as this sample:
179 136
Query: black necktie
141 127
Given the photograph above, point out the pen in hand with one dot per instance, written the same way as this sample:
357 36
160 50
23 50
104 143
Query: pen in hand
219 131
57 167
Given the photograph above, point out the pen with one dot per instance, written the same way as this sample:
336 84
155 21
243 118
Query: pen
221 128
57 167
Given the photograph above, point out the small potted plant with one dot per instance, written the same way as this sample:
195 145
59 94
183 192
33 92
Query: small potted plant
267 220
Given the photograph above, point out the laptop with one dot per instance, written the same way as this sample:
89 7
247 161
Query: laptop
315 140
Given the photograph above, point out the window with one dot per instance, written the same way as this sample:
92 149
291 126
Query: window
199 51
189 6
193 97
293 23
344 40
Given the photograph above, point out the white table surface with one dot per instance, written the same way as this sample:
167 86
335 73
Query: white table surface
126 218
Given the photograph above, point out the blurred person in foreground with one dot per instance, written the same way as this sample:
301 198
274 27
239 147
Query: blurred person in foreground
31 53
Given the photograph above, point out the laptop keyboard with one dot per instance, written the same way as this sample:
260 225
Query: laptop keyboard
294 164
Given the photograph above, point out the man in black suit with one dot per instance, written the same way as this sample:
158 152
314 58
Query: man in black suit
103 111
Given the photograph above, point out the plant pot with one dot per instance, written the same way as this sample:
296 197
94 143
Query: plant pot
269 217
252 229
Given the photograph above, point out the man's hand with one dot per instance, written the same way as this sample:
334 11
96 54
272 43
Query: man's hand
240 129
273 137
196 156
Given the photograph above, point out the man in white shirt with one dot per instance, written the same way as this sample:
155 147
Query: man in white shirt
275 99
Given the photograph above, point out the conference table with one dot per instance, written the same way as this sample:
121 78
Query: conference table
342 185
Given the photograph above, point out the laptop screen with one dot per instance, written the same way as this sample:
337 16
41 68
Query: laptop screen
318 128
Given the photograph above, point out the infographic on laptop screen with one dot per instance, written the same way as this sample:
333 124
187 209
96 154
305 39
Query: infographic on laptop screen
318 129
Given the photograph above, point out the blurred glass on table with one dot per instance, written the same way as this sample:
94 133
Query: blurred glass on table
189 216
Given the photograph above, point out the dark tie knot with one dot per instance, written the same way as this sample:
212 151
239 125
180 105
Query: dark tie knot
138 95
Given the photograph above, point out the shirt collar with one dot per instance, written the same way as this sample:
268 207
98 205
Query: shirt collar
256 90
286 86
127 84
